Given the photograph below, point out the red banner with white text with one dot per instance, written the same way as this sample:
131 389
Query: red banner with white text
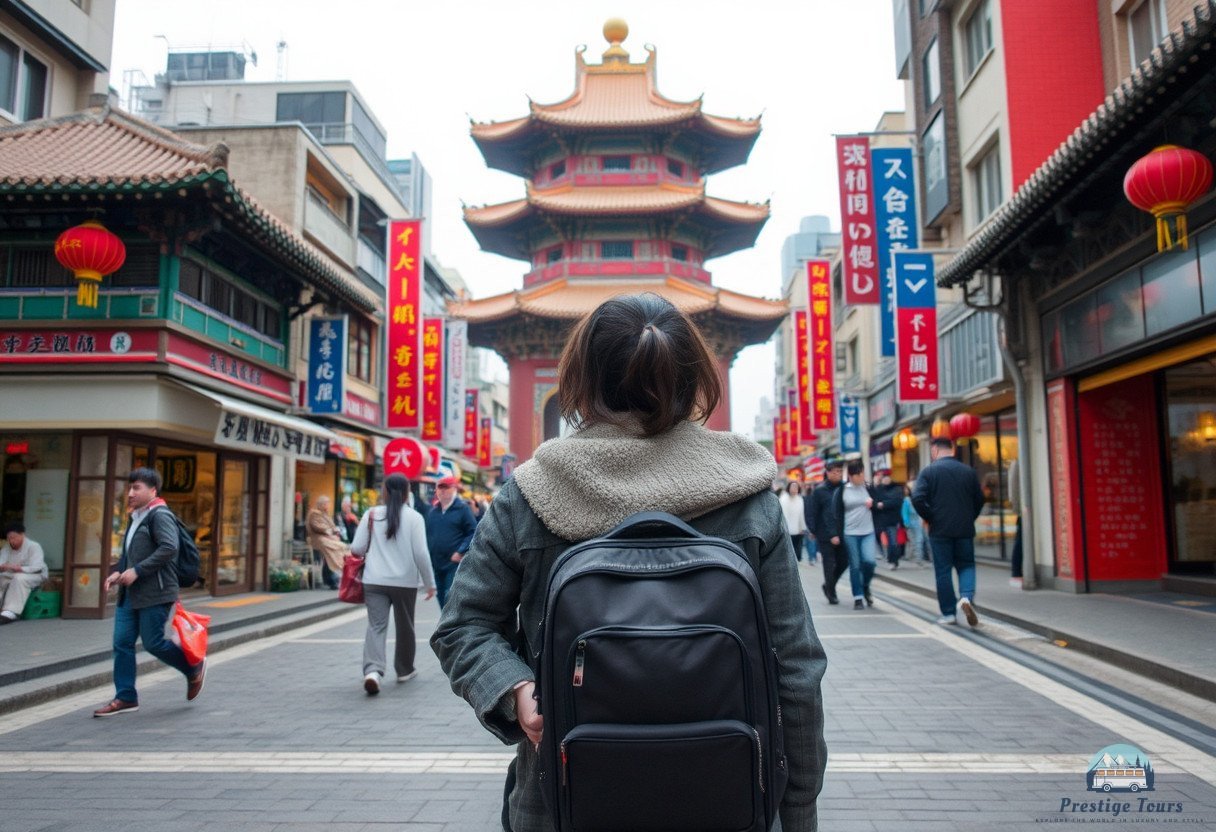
404 325
860 256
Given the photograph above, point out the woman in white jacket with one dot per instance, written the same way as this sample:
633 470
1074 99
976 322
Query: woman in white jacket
392 538
795 520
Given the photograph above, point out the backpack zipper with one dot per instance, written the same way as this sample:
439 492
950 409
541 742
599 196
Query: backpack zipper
580 660
759 758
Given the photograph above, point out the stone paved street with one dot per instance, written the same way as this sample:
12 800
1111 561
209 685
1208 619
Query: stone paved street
927 731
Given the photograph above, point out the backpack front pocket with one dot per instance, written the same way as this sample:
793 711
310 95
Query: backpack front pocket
700 777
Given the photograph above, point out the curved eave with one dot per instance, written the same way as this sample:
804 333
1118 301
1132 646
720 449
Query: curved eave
1118 120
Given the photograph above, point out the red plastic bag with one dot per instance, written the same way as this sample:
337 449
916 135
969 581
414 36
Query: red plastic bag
191 630
350 588
901 536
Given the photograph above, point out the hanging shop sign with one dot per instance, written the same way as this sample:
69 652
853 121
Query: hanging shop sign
857 221
916 328
456 343
484 453
404 325
326 364
359 409
778 450
806 430
470 424
895 226
432 379
405 455
795 409
822 351
850 426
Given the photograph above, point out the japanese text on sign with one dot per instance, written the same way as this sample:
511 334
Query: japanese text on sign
857 221
896 225
432 379
404 323
326 354
822 352
806 435
915 327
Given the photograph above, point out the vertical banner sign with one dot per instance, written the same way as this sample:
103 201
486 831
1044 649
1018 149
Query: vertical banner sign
791 395
857 220
457 342
484 455
915 327
895 224
822 354
783 425
432 379
326 364
470 424
778 451
404 314
850 426
806 434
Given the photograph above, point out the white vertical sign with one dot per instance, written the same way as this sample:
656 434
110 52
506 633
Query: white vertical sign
456 346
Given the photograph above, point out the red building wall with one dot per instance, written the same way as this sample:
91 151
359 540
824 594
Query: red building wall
1053 75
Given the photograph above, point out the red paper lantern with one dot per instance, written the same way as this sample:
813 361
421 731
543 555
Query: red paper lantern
90 252
1164 183
940 429
405 455
964 425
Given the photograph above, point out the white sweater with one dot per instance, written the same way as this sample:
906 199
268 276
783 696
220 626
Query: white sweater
791 507
403 561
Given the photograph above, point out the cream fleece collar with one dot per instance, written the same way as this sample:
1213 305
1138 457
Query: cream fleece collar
582 485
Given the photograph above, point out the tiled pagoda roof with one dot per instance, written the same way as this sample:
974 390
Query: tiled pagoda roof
500 228
616 96
102 150
572 298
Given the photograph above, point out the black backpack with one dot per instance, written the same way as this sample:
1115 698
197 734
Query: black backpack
658 686
188 563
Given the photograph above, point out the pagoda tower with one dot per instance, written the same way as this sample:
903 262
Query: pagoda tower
615 204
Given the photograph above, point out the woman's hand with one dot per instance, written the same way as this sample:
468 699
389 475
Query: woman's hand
525 712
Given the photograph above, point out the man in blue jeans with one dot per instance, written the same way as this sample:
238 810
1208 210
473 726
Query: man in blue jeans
146 578
449 531
949 498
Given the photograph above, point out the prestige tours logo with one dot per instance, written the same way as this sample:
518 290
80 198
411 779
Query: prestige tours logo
1120 775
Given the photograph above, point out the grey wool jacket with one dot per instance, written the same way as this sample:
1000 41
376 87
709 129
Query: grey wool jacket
579 487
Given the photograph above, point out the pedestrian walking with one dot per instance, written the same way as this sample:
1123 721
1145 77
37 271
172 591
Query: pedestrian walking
888 505
146 577
22 570
917 552
949 497
635 378
326 541
347 520
449 531
794 511
392 540
855 527
821 524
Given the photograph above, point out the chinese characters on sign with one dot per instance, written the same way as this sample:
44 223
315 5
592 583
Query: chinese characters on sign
915 327
783 426
47 346
406 456
895 224
850 426
457 340
326 364
795 410
806 430
470 424
857 221
484 455
404 324
249 433
432 379
778 450
822 352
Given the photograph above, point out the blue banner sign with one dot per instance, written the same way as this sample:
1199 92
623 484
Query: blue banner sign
897 227
326 364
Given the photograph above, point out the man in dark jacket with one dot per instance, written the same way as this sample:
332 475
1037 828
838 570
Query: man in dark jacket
449 531
888 502
949 497
818 509
146 578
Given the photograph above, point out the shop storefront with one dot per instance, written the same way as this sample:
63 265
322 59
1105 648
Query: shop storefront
1132 414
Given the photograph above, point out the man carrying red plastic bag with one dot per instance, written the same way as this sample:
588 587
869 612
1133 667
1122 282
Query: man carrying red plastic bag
147 579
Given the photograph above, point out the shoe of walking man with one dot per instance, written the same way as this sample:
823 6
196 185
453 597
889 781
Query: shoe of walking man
146 577
949 498
820 514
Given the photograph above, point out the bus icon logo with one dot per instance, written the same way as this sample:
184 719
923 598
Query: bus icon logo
1120 768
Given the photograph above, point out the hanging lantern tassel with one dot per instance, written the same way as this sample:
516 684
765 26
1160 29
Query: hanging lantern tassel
90 252
1164 183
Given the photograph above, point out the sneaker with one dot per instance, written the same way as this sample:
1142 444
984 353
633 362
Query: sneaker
116 706
859 604
8 617
947 621
406 677
966 612
831 596
194 685
371 683
869 599
1016 583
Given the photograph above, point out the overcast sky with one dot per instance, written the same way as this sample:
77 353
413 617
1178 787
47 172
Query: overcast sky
812 67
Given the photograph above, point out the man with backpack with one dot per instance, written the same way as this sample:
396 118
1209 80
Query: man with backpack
147 579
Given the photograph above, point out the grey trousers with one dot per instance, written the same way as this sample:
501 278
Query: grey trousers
379 600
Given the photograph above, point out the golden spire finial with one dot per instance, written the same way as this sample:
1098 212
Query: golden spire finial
615 31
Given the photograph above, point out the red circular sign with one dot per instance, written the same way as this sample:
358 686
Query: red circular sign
405 456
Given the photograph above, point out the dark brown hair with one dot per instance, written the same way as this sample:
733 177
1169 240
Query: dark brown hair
637 355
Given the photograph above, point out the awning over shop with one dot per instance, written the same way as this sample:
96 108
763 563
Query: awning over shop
249 427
